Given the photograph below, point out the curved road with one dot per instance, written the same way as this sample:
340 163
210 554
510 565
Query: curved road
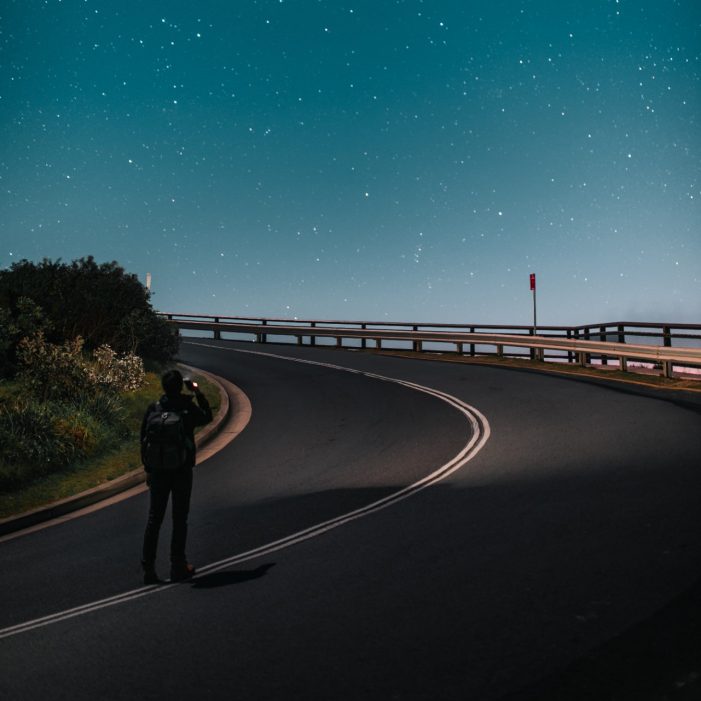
576 520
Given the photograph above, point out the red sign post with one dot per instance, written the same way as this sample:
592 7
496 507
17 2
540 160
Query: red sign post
535 323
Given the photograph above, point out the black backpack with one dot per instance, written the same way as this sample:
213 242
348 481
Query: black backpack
165 444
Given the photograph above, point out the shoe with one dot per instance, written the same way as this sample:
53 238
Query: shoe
179 573
150 577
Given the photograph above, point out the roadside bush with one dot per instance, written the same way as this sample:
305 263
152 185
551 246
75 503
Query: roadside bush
26 319
102 303
79 430
40 438
69 407
51 371
123 373
65 373
108 409
148 336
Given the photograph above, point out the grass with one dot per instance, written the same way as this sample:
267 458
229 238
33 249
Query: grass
100 468
596 371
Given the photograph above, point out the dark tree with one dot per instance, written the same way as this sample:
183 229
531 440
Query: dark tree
26 319
100 302
148 335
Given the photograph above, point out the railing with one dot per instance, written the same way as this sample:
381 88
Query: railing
589 344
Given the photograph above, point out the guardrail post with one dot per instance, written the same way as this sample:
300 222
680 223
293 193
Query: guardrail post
378 343
587 356
570 354
264 336
472 345
582 358
500 350
299 340
602 338
533 351
416 344
339 342
622 361
667 368
217 332
667 336
364 341
312 339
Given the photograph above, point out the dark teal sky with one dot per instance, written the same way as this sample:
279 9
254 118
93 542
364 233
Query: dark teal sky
362 159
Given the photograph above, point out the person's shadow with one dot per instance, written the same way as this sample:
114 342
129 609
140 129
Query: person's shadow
223 579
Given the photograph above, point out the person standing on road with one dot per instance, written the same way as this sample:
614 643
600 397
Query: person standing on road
168 453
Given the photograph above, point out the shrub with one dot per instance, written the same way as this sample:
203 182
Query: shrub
75 433
99 302
72 407
64 373
25 319
44 437
51 371
117 373
104 408
40 438
20 424
148 335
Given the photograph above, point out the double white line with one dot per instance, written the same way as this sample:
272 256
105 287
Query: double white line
479 434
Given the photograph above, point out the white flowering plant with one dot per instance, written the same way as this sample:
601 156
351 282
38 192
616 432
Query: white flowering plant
120 373
66 373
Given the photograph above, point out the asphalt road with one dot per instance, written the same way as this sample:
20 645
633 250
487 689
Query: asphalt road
572 526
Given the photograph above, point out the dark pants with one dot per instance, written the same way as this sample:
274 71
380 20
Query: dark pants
162 485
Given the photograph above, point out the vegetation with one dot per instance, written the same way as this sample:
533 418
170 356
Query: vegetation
101 303
639 376
114 457
66 406
73 388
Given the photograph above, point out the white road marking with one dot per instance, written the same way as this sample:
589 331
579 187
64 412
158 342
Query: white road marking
480 434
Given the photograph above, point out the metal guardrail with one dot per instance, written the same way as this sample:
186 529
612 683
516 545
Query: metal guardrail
579 344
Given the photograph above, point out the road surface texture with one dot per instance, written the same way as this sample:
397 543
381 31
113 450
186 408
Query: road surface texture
560 560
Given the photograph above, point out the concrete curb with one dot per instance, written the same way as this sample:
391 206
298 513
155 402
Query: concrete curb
123 483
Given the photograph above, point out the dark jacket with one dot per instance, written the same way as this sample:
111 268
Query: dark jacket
192 416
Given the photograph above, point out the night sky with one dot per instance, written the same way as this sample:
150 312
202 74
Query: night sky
362 159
